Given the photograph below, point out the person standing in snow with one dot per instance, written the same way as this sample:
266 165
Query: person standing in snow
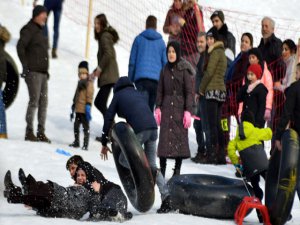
32 49
82 105
147 58
56 7
107 70
4 38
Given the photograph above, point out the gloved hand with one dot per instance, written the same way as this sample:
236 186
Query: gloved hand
25 72
157 115
267 115
239 168
88 115
187 119
72 112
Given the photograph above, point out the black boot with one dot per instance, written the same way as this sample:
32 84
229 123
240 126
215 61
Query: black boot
86 140
76 143
22 178
12 192
165 206
29 136
176 172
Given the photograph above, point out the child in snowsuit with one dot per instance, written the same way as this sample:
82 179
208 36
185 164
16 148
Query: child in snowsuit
82 105
248 142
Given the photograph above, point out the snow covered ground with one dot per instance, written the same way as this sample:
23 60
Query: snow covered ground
42 160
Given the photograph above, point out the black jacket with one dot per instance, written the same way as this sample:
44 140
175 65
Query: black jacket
129 104
32 48
255 101
291 110
227 37
200 69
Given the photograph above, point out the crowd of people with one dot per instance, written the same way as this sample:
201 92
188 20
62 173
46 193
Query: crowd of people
191 76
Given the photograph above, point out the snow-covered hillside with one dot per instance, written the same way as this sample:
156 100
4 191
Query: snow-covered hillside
42 160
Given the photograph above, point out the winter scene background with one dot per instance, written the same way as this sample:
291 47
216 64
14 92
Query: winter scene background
43 161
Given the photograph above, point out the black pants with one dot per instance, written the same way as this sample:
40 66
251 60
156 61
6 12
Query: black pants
102 97
148 88
163 165
81 119
255 184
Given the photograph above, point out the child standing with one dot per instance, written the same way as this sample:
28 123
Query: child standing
248 142
82 105
253 95
174 106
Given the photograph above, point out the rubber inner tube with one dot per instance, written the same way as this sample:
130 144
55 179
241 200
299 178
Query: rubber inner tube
136 177
207 195
12 83
282 178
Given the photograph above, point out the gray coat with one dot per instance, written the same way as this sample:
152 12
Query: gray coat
174 96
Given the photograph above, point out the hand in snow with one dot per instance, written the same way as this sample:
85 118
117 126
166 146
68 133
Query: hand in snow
104 151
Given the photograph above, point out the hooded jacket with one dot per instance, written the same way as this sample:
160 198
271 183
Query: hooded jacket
253 136
107 58
147 56
129 104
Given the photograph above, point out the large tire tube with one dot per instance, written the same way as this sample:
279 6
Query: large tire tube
12 82
137 179
207 195
282 178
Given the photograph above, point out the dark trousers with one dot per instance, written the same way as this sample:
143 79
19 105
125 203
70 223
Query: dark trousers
56 14
255 184
201 126
81 119
163 165
102 97
214 122
148 88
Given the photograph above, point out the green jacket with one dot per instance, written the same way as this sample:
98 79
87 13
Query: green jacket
253 135
214 74
107 59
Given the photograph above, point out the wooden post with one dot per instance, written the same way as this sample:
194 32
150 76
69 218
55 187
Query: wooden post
87 45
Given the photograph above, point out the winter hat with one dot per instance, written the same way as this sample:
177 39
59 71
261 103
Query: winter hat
38 10
176 46
256 69
213 32
219 14
83 67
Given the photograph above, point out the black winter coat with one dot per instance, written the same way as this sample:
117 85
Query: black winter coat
71 202
255 101
227 38
291 110
32 48
129 104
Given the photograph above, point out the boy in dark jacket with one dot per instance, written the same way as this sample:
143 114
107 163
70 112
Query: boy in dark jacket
130 104
82 105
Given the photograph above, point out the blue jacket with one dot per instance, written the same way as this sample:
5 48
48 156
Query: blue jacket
147 56
129 104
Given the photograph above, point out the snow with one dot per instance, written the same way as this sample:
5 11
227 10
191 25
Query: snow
42 160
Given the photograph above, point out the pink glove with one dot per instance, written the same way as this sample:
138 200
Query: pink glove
157 115
186 119
267 115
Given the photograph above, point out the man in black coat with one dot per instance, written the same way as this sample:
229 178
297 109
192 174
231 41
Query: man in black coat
271 48
129 103
32 50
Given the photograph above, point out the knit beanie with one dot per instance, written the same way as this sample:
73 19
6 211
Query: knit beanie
176 46
256 69
83 67
219 14
213 32
38 10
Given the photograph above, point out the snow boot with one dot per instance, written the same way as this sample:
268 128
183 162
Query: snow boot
12 192
86 140
43 138
176 172
53 53
76 143
22 178
29 136
165 206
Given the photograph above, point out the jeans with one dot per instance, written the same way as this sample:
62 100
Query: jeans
147 139
56 14
3 131
201 126
149 88
37 84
